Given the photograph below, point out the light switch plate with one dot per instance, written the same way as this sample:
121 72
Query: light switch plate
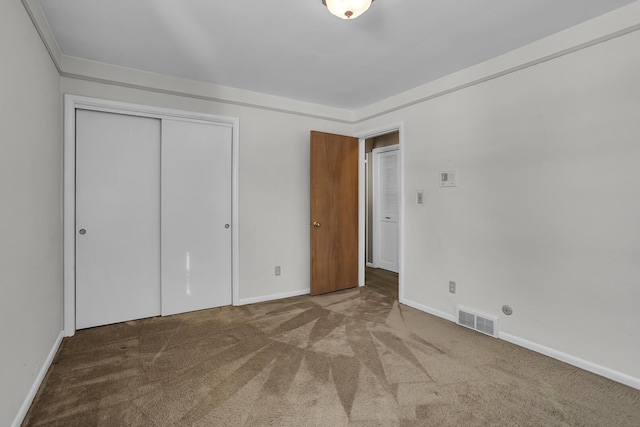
420 197
449 178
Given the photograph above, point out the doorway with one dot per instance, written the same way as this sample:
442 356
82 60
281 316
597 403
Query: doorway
334 212
382 277
362 227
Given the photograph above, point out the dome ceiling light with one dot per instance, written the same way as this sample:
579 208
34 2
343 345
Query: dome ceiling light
347 9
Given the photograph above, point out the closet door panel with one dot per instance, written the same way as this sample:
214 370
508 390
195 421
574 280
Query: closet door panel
195 216
117 218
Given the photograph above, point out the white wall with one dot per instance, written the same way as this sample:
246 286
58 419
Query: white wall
546 217
274 184
30 207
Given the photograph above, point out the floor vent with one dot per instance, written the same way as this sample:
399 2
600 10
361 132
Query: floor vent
478 322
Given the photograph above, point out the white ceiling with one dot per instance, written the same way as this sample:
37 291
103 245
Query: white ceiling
297 49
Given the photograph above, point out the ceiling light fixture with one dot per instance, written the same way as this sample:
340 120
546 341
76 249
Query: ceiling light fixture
347 9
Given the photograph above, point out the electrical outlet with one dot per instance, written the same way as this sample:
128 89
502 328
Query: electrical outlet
277 270
452 287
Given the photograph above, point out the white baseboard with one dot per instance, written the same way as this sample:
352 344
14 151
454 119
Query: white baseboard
555 354
37 382
575 361
370 264
264 298
429 310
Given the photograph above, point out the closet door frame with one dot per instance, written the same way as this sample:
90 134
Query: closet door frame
74 102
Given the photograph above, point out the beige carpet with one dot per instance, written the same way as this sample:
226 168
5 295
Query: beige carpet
354 358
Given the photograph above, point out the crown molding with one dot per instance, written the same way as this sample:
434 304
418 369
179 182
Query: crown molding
599 30
98 72
617 23
82 69
34 10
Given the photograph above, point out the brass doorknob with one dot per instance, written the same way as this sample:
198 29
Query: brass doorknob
316 224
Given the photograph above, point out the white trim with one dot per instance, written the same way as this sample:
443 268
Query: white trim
69 217
382 130
429 310
73 102
235 214
40 23
574 361
365 204
372 133
402 217
272 297
37 382
361 211
109 106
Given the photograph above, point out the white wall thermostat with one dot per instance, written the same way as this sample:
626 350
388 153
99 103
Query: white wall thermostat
449 178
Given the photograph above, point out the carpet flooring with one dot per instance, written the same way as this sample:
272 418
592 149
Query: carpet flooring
352 358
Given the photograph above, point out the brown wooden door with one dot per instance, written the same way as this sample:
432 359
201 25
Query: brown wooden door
334 212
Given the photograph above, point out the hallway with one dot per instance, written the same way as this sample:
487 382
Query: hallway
382 281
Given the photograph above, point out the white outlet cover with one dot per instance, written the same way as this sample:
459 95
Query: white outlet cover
420 197
449 178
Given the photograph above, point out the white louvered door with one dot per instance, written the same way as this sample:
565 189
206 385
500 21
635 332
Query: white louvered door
386 208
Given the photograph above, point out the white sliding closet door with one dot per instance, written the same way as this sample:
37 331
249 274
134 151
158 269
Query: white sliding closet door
117 218
196 216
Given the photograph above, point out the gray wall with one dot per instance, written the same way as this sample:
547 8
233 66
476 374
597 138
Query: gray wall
30 207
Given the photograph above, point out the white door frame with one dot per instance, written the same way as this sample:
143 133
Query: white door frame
363 135
73 102
375 227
